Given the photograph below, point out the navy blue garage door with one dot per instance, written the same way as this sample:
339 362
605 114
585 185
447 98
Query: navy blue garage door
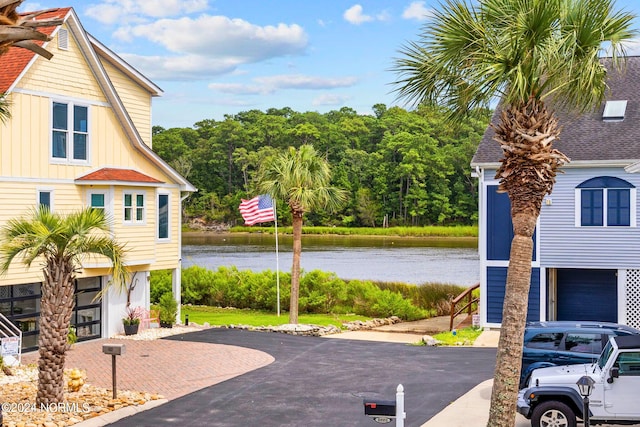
587 295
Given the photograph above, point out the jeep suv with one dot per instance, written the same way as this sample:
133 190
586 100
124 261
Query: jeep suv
566 343
551 396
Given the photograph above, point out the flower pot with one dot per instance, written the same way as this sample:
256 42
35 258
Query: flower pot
131 329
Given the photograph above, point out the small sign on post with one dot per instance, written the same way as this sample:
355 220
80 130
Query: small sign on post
475 320
11 350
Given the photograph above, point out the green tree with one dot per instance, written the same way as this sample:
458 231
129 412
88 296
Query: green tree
531 53
301 178
60 243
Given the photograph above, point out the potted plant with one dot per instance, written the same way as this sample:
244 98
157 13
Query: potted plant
131 321
168 310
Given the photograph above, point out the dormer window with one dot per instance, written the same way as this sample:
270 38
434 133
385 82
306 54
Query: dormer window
614 111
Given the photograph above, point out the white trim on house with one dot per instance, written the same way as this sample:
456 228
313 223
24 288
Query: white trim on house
64 98
622 296
169 225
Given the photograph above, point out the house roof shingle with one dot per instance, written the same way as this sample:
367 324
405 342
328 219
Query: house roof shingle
14 62
114 174
587 137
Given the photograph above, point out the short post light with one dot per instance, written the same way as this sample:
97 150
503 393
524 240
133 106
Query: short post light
585 386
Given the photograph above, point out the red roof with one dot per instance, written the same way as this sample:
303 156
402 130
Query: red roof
13 63
113 174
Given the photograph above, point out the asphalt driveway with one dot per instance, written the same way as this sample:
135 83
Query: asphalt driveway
322 382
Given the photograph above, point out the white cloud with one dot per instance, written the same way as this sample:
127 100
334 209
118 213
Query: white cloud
30 7
356 16
126 11
330 99
297 81
185 67
224 37
210 45
240 89
632 48
271 84
417 10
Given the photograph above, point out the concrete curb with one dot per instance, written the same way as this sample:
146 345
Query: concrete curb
114 416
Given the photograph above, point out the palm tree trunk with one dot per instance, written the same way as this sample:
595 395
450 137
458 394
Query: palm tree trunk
56 307
527 174
295 268
509 359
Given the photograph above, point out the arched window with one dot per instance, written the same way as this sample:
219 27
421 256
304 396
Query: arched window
605 201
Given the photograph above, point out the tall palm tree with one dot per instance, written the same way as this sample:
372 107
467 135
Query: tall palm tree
59 243
301 178
533 54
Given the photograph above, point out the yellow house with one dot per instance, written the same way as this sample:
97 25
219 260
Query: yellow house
80 135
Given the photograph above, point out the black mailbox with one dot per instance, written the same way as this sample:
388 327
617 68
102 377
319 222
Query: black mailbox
379 408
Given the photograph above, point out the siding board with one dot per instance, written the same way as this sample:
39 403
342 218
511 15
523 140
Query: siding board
566 246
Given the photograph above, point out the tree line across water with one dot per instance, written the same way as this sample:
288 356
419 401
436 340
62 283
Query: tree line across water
398 167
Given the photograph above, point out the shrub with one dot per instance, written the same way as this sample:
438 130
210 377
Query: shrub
320 292
160 283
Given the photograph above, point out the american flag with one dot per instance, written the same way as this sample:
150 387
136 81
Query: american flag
259 209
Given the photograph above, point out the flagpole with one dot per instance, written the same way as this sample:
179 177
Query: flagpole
275 217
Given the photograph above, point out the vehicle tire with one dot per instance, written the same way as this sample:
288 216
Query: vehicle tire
553 414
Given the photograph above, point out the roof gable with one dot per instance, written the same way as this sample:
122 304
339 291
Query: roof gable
19 62
587 137
16 60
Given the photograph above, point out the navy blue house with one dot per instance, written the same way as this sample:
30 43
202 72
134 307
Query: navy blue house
586 262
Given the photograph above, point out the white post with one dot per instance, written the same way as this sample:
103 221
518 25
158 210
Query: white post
275 216
400 415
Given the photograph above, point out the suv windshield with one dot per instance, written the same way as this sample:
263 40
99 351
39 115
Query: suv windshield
606 353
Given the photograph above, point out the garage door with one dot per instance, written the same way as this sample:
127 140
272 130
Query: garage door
587 295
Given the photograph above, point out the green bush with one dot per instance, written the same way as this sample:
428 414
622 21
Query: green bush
168 308
320 292
160 284
196 284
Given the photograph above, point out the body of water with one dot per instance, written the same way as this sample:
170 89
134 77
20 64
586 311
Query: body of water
408 259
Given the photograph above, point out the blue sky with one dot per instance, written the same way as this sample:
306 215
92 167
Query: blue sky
217 57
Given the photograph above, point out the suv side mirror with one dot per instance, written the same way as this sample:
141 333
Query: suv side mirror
613 373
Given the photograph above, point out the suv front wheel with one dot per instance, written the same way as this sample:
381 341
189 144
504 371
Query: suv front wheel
553 414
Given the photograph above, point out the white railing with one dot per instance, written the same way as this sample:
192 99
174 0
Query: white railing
11 338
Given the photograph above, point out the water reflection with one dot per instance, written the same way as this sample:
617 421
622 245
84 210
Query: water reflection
411 260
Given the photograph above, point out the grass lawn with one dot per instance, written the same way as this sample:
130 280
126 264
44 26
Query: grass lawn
464 336
233 316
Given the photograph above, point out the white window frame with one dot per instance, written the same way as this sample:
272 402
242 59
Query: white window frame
41 190
69 160
134 207
168 195
633 222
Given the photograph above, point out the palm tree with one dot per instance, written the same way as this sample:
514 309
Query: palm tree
532 54
301 178
60 243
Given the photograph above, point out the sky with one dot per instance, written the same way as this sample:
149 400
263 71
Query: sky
219 57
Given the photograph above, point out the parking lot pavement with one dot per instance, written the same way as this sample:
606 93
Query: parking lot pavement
322 382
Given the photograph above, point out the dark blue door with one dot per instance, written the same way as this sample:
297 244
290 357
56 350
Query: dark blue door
587 295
